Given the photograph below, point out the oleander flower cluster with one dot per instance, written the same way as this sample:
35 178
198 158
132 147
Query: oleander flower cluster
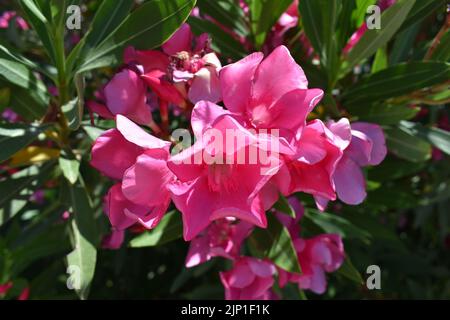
253 141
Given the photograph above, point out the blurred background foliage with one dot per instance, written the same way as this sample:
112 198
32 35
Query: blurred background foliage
397 76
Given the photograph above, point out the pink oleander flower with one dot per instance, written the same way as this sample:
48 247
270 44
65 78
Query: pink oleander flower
38 197
311 169
288 20
357 35
25 294
250 279
10 116
362 146
269 94
213 184
6 18
182 70
124 94
139 160
223 238
113 240
318 255
4 288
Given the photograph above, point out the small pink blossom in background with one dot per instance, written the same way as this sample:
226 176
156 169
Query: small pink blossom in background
38 197
10 116
357 35
25 294
317 255
4 288
6 18
223 238
250 279
66 215
113 240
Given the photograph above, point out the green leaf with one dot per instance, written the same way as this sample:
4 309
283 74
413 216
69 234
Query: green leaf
319 20
22 76
420 11
5 96
383 113
72 114
40 24
397 81
349 271
27 104
15 136
393 168
227 13
442 51
15 191
170 228
391 20
331 223
70 167
147 27
263 15
107 18
437 137
359 14
222 42
282 205
84 240
403 44
406 145
381 60
275 243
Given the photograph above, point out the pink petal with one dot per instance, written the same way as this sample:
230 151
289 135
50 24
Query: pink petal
236 81
135 134
112 154
115 205
375 133
349 180
204 115
114 240
149 59
181 40
125 94
198 251
261 268
341 131
205 86
277 75
99 109
145 182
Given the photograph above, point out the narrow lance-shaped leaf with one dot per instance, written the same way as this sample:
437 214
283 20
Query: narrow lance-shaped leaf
406 145
390 22
15 191
107 18
15 136
170 228
147 27
81 261
396 81
275 243
263 15
70 166
349 271
40 24
437 137
331 223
